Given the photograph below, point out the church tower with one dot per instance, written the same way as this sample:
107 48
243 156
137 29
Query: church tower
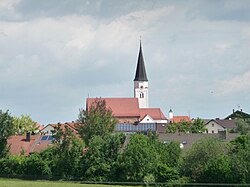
141 81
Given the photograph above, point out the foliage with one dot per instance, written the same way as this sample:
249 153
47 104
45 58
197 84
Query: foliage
243 126
6 125
241 166
96 121
35 165
166 174
197 157
99 162
142 156
195 126
67 153
183 126
12 165
198 126
138 159
24 124
149 179
240 142
6 130
217 170
240 154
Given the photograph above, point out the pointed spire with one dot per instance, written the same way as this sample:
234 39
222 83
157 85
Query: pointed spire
140 74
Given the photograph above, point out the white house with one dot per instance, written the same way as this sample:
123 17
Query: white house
216 125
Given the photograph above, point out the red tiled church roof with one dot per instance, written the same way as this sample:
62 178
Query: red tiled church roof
121 107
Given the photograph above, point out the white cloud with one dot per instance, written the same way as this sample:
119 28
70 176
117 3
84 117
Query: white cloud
235 85
222 47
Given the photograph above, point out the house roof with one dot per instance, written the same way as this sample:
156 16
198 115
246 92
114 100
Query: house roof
177 119
39 126
154 113
121 107
70 125
238 114
140 74
225 123
18 143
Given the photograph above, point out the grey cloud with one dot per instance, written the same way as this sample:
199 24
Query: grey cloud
217 10
48 65
97 8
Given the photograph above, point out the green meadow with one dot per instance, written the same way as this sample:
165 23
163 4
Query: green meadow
26 183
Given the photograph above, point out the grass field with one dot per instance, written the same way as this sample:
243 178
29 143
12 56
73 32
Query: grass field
25 183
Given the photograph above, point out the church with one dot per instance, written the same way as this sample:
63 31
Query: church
134 114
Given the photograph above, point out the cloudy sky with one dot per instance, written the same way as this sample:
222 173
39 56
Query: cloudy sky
55 53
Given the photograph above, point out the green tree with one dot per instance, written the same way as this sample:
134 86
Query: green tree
241 165
243 126
195 126
12 165
239 154
6 130
198 126
218 170
36 166
145 158
240 142
24 124
100 161
138 160
67 153
166 174
182 126
96 121
197 157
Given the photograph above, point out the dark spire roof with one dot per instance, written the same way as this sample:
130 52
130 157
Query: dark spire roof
140 74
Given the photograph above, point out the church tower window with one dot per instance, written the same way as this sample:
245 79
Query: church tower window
141 95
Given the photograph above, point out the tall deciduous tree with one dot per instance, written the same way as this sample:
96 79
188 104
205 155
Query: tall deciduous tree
24 124
6 130
96 121
69 149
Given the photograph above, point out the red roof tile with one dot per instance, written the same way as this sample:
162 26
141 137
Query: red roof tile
18 142
154 113
39 126
121 107
178 119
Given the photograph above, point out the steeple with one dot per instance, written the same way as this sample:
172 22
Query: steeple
141 82
140 74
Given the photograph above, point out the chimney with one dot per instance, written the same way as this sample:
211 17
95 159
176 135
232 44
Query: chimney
233 110
241 110
27 136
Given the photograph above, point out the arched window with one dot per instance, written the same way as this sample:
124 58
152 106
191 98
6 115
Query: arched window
141 95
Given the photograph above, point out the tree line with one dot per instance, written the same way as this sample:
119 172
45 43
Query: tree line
97 154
